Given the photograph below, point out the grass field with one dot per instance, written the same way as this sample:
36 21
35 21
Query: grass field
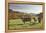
18 24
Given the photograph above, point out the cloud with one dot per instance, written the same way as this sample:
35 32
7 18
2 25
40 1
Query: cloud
27 8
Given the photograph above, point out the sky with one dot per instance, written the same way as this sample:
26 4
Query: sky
26 8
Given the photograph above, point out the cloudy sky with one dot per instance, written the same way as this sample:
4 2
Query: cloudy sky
27 8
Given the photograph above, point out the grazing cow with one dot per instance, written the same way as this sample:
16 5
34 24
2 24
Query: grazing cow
36 19
26 18
40 18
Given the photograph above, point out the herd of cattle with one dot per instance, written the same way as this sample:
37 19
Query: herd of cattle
26 18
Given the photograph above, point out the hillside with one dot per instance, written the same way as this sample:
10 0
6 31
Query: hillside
15 14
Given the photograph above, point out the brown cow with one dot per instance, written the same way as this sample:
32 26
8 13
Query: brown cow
26 18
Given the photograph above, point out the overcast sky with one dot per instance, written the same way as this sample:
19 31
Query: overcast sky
27 8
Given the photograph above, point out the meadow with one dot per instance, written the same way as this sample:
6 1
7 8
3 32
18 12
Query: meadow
16 24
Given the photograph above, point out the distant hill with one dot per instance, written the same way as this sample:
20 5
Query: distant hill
17 14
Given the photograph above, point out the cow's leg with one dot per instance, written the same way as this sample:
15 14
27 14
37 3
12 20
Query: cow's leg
24 21
39 21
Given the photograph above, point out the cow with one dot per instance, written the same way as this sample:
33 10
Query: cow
26 18
40 17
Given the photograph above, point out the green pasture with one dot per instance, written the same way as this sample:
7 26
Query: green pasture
18 24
